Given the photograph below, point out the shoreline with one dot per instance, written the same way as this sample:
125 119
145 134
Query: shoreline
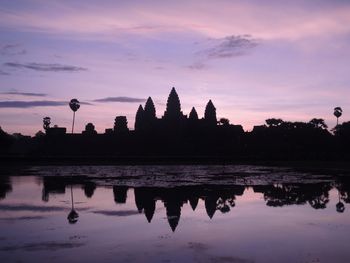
341 166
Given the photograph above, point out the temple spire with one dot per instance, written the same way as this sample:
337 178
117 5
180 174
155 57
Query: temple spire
210 113
193 115
139 118
150 110
173 106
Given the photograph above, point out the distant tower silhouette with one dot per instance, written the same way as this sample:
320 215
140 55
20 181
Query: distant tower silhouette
193 115
120 194
139 119
210 114
150 110
210 205
121 124
173 212
173 106
148 117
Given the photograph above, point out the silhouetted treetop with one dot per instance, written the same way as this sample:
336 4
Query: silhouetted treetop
90 129
193 115
210 113
173 106
274 122
338 112
46 123
39 134
343 130
150 110
224 122
318 123
74 104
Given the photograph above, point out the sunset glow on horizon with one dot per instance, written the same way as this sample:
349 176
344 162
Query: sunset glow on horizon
282 59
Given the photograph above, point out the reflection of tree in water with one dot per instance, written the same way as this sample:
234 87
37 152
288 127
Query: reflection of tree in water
73 215
225 205
5 186
343 186
317 195
215 197
340 207
222 199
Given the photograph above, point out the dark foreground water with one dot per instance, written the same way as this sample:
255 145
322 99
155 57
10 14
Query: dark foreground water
173 214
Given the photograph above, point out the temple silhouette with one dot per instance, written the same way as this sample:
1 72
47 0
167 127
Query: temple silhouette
178 138
216 198
173 120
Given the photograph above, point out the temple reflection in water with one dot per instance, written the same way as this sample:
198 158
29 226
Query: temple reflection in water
216 198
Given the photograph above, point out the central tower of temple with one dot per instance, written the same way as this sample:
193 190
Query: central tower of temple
173 107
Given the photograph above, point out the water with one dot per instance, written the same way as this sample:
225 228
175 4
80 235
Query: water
173 214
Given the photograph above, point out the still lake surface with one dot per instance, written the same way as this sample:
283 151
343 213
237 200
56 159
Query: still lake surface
173 214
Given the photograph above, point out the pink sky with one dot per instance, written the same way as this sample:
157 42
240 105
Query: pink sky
288 60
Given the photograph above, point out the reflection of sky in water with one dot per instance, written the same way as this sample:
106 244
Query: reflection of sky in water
33 230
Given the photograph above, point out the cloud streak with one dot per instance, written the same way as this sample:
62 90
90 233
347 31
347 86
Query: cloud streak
121 99
32 104
28 94
32 208
4 73
45 67
116 213
223 48
230 46
12 50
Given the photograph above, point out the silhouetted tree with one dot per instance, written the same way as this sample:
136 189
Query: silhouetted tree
224 122
210 114
274 122
74 104
39 134
46 123
337 113
90 129
318 124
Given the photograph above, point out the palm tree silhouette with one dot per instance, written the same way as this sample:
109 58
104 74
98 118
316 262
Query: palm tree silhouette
46 123
73 215
74 105
337 113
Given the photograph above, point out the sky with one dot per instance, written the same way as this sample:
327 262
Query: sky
254 59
